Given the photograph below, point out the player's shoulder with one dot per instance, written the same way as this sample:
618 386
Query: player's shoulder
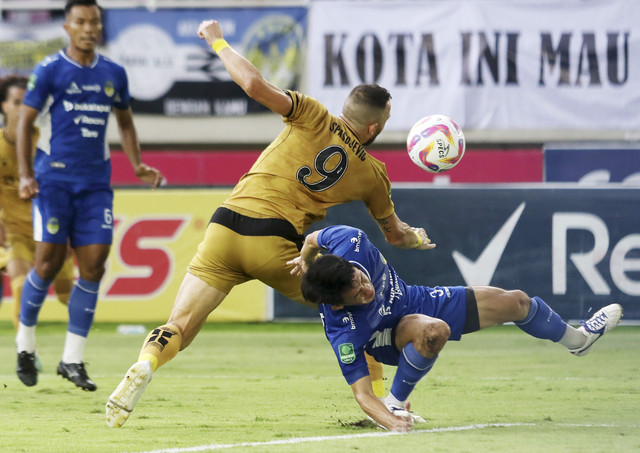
51 60
305 106
106 62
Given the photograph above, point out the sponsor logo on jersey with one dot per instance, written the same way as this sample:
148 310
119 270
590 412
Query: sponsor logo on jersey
85 107
347 353
109 90
84 119
88 133
57 165
73 89
356 241
53 226
349 319
95 88
31 84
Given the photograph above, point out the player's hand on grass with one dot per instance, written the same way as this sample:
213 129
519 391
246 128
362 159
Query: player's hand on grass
149 175
403 422
28 188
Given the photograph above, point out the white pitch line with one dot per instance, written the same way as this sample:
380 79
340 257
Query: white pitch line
300 440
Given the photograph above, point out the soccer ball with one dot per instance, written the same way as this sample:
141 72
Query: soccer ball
436 143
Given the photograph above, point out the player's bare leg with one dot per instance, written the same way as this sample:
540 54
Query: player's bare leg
194 302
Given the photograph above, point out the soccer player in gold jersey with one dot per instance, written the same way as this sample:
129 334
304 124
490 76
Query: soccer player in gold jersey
15 217
316 162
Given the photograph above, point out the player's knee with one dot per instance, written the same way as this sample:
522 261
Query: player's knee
519 303
435 335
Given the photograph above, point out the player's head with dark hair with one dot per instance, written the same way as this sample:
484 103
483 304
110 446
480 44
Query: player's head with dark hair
367 108
83 24
71 3
327 279
7 84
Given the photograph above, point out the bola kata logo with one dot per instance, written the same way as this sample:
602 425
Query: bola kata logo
274 45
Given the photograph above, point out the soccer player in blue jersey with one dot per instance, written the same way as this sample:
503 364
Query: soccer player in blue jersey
73 92
365 306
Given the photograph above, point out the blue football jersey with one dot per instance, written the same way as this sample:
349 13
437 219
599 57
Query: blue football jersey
349 329
74 103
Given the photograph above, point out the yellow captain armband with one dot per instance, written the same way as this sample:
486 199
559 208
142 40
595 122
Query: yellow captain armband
419 240
219 44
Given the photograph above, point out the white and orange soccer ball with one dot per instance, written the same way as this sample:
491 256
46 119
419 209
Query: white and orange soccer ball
436 143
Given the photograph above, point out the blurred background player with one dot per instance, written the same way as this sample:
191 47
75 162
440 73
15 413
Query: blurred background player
316 162
74 90
15 217
408 325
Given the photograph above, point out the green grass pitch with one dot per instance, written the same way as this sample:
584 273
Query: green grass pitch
276 387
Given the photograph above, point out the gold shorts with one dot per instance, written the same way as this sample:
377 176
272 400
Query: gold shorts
24 248
226 258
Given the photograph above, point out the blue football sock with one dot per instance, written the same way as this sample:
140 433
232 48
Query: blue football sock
543 322
33 294
82 306
412 367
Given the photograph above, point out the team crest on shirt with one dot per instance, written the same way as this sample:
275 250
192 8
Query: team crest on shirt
53 226
347 353
109 90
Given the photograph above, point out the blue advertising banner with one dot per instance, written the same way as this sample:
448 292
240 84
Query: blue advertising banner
577 248
593 163
173 72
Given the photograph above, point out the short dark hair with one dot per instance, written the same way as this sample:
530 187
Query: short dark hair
11 81
370 95
71 3
327 279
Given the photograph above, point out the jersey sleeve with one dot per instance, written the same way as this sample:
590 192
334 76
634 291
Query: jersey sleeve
122 99
347 342
306 112
379 201
353 245
38 88
336 239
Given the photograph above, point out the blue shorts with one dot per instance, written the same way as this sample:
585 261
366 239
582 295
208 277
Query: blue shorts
455 305
83 214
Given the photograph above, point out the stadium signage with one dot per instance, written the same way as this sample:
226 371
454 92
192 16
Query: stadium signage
571 65
578 248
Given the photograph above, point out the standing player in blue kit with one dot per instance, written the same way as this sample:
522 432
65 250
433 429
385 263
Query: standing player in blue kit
73 91
366 306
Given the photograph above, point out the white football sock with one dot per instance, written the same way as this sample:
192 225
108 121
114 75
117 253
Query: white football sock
573 338
74 348
391 400
26 338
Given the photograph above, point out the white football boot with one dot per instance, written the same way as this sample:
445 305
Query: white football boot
600 323
126 395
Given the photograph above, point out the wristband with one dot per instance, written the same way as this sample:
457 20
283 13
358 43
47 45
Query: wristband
219 44
419 240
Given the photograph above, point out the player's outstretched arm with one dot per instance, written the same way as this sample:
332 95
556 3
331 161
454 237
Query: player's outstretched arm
131 147
243 72
374 408
401 235
309 252
28 188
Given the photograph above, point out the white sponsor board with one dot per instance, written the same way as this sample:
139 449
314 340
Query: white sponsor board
488 64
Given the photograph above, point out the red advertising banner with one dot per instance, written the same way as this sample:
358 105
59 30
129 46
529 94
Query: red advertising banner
224 168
